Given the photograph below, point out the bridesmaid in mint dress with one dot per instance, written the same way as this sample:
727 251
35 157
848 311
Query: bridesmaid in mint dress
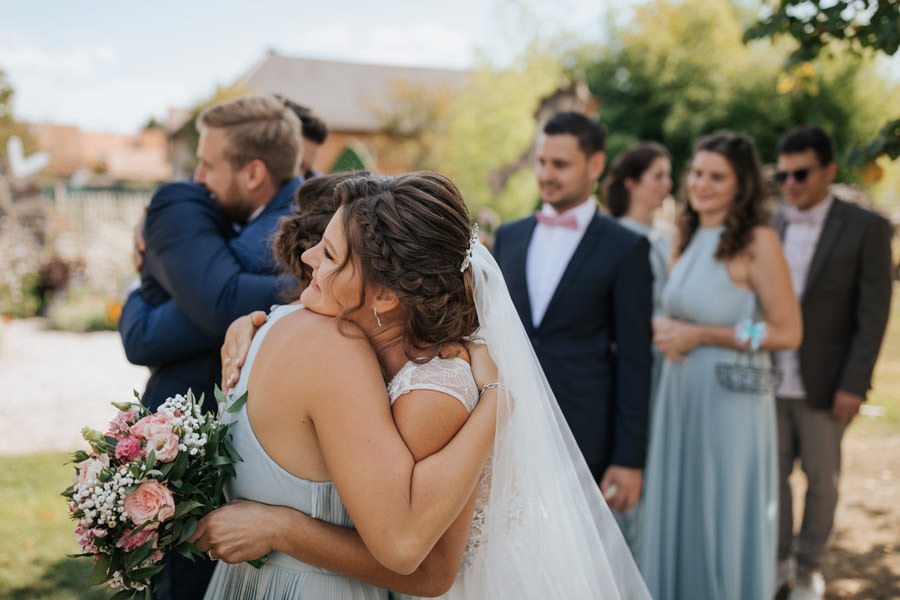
710 509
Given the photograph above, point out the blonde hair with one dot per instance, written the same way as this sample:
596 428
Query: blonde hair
258 127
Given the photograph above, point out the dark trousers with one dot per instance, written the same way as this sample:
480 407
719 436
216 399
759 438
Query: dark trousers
814 437
184 579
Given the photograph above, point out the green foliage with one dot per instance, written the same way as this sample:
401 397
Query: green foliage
820 27
680 70
8 125
349 160
493 124
20 298
81 310
866 24
36 533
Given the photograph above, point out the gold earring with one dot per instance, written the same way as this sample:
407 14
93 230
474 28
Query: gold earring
377 318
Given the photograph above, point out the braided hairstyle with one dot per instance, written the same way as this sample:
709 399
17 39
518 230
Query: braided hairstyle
410 234
315 205
747 210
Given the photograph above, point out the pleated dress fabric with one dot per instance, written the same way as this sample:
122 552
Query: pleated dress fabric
260 478
710 509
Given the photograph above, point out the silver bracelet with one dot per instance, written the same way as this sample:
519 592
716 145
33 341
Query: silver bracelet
491 386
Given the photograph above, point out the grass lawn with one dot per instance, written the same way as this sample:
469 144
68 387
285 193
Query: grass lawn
36 532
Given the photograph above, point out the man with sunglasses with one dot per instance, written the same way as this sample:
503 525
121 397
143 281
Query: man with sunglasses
840 260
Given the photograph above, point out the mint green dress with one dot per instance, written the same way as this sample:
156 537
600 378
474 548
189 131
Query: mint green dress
709 515
260 478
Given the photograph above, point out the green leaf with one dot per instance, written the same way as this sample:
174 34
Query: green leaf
237 404
187 550
122 595
178 466
221 460
185 507
190 526
100 573
146 572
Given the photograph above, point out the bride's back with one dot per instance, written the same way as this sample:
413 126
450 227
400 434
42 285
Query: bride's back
297 363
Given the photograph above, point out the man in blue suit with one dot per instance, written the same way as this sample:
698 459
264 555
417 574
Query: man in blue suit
208 261
582 286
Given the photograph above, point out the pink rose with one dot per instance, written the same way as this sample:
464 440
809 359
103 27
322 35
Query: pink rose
164 446
131 540
118 427
151 425
152 500
89 470
128 448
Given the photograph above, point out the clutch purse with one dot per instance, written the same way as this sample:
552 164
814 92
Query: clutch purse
747 378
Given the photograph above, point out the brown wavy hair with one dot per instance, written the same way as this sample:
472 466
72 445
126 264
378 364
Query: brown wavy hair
748 209
410 234
315 205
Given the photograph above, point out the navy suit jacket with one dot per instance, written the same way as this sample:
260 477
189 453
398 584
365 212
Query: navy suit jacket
594 340
846 303
199 275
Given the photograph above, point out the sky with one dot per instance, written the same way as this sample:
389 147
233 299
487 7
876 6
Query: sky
111 65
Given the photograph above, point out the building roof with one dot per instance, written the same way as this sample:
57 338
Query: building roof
345 95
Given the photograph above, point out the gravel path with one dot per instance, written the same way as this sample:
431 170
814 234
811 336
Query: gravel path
54 383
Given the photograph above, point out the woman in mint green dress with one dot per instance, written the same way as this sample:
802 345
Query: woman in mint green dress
710 510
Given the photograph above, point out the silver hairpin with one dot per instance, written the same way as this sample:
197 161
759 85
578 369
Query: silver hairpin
467 259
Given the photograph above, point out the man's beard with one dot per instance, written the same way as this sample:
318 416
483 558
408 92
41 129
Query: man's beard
237 211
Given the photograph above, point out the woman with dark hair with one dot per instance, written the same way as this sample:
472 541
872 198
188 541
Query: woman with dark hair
639 179
401 270
710 509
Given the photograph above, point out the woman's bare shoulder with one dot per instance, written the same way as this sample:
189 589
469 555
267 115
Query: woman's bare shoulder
314 337
763 242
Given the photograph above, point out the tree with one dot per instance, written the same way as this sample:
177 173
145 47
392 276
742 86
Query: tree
492 124
862 26
9 126
680 69
413 125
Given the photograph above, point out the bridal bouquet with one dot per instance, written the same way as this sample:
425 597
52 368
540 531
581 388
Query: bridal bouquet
144 486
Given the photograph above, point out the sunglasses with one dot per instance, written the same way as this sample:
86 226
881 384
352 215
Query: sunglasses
799 175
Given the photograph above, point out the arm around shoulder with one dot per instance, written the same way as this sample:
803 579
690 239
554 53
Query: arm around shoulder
400 507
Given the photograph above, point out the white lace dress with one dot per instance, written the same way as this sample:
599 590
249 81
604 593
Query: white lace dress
451 376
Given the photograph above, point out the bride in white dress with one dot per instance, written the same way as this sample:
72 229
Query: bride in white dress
541 528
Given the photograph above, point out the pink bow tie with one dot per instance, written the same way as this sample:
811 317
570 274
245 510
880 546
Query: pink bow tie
566 220
795 216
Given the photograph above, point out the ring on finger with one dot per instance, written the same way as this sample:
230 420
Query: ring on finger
211 555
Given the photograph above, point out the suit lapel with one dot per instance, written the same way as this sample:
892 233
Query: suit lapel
780 224
517 281
834 222
582 252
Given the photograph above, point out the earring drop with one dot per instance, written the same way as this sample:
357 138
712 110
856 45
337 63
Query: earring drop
377 318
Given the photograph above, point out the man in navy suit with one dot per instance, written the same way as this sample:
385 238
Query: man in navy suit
208 261
582 286
840 260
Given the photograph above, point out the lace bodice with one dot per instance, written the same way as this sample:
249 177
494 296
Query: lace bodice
451 376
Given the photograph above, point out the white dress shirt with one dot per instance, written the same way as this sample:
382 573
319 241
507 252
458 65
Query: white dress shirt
800 239
549 253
